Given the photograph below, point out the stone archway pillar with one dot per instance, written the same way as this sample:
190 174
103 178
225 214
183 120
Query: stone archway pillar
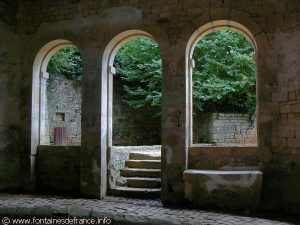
93 167
174 127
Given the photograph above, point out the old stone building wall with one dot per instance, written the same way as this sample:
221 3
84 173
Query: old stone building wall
133 127
285 138
91 25
64 107
10 78
224 128
223 158
8 12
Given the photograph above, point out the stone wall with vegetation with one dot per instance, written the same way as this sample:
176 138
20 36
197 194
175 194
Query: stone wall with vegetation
224 128
64 107
133 126
130 126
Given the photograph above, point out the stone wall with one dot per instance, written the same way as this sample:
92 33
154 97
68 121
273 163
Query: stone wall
58 169
282 179
117 157
8 11
10 178
133 126
10 78
224 128
64 108
223 158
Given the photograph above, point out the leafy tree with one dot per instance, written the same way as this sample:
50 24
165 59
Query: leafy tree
138 64
223 79
67 62
224 76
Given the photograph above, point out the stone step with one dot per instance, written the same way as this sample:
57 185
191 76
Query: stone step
151 155
146 164
143 182
138 172
136 192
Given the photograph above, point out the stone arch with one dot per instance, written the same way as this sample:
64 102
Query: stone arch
108 71
194 39
39 77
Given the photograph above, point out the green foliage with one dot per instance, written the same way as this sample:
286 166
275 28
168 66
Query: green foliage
224 76
138 64
223 79
67 62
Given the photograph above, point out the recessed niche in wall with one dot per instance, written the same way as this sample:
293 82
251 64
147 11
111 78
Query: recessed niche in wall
59 116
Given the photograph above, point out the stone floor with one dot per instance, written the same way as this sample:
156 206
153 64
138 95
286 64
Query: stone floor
118 210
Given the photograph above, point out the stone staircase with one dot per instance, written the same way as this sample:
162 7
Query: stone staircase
142 173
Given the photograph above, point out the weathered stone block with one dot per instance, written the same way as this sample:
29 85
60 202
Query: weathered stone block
9 157
278 142
285 109
287 131
295 108
279 97
292 95
217 157
58 168
238 190
293 142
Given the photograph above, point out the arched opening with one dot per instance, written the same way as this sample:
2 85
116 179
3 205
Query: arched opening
137 94
236 159
61 111
222 85
224 90
56 103
204 152
133 112
56 95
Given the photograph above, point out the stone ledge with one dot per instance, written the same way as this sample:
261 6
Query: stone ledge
221 172
237 190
